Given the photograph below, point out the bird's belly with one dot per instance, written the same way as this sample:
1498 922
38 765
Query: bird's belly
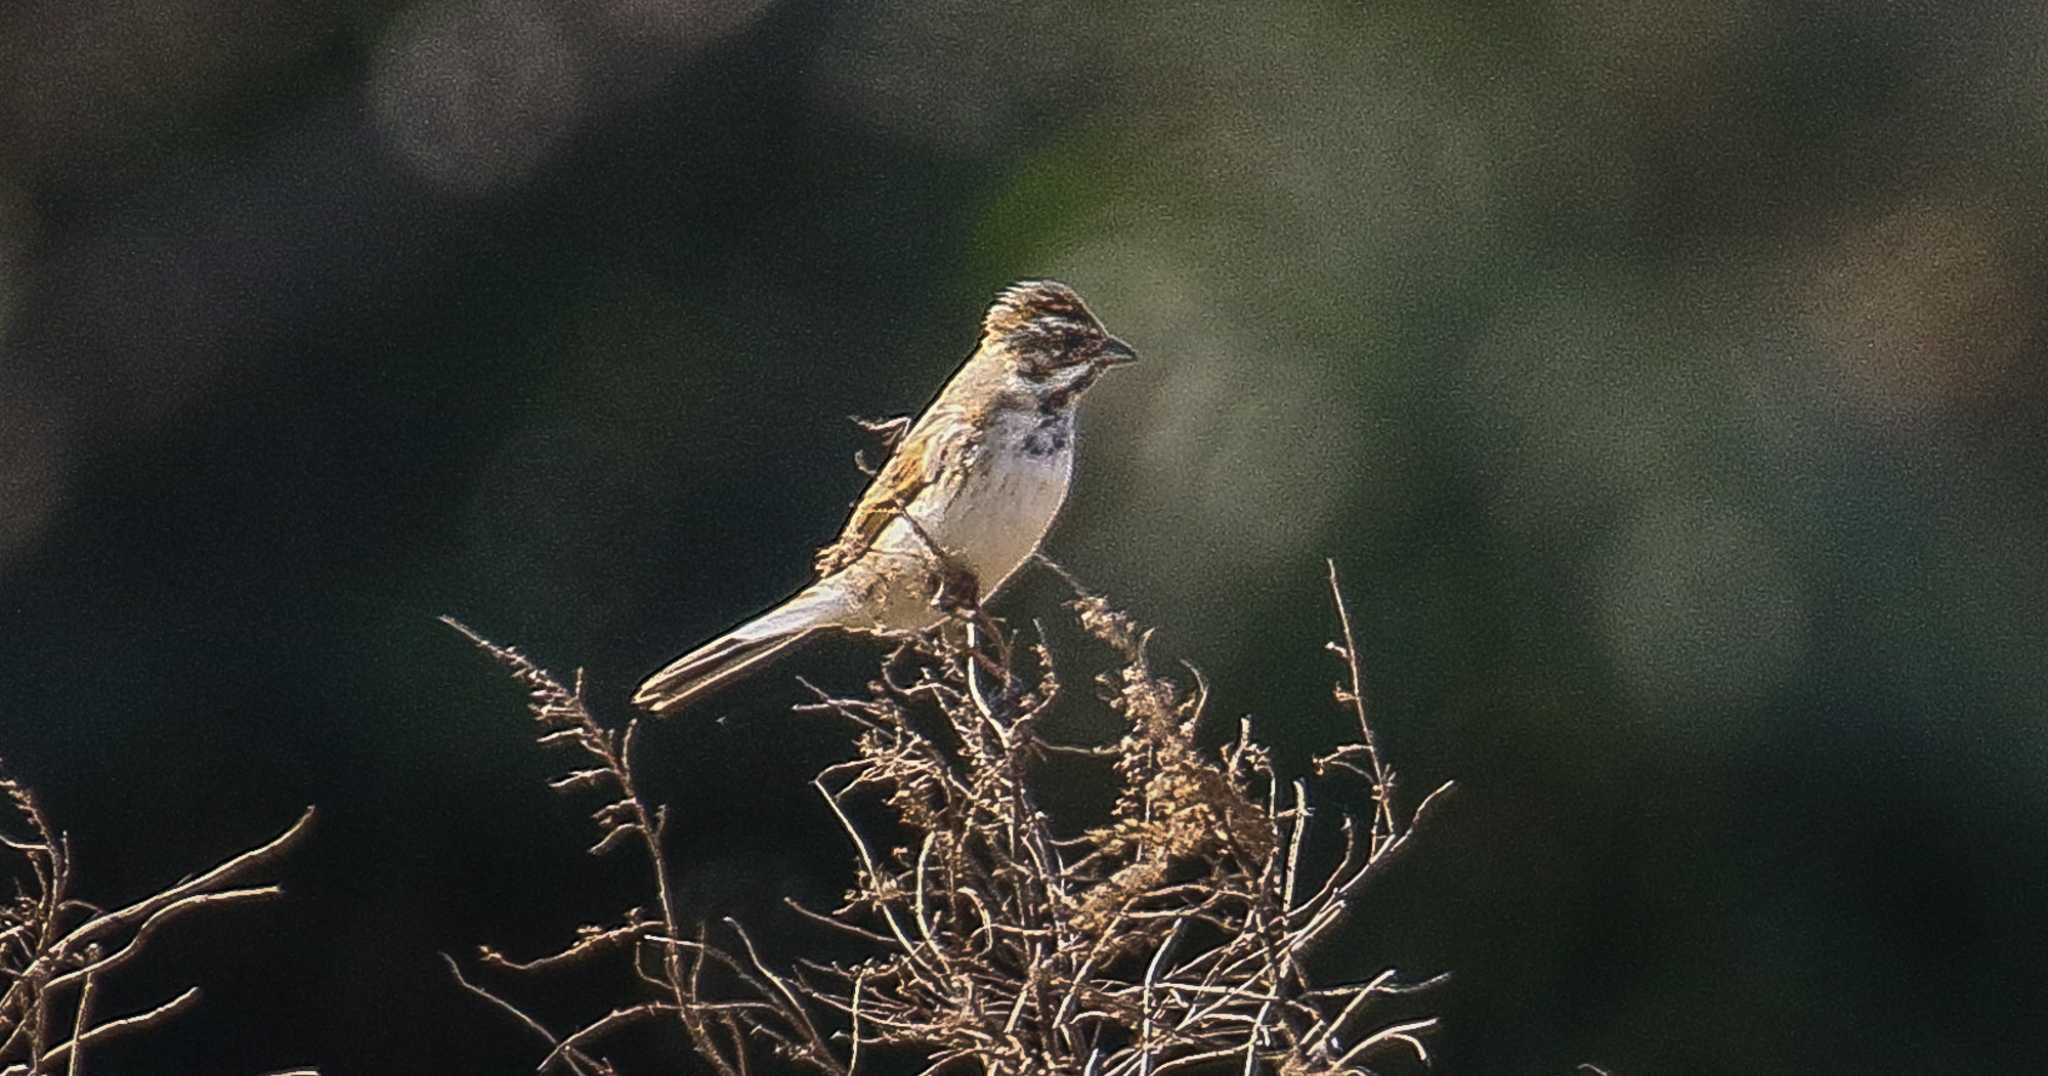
996 523
989 522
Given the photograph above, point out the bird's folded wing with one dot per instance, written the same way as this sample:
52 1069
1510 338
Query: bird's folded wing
936 444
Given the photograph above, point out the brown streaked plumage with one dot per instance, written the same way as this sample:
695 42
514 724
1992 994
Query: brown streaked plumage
919 460
970 490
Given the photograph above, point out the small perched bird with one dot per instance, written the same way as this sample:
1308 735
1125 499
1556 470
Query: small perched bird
962 502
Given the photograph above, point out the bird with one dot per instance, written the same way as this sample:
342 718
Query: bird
963 500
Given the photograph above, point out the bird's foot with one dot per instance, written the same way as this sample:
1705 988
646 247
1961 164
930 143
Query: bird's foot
956 591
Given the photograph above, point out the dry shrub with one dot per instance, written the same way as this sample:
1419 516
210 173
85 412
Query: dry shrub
1171 935
57 951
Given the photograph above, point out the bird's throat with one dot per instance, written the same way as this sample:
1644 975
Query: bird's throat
1059 399
1052 434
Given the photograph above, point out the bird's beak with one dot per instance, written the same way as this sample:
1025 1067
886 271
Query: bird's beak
1115 352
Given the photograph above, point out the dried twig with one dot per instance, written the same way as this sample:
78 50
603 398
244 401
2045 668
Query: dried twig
1170 935
56 950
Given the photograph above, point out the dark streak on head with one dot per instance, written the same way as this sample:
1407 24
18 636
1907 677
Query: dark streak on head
1044 325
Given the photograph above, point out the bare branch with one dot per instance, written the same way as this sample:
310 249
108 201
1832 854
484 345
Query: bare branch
1170 933
57 952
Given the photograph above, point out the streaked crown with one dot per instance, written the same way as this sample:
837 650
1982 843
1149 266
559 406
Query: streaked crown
1045 326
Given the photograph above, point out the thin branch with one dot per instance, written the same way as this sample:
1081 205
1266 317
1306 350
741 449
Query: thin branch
225 872
1382 780
1170 932
579 1062
125 1025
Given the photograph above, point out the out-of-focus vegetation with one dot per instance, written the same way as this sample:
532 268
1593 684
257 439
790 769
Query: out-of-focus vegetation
1665 377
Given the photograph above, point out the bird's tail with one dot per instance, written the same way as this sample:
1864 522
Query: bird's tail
740 649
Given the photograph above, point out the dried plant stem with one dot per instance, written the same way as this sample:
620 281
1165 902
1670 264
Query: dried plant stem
1170 935
56 951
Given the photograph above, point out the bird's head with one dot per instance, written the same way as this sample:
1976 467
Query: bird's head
1050 339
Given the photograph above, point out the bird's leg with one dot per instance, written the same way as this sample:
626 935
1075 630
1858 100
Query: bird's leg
956 591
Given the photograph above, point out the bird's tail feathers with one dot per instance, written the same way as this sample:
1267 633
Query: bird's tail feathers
737 651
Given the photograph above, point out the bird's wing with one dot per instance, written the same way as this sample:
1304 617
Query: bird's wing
935 444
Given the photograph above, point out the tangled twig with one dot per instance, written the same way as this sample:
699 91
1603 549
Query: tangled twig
57 951
1172 934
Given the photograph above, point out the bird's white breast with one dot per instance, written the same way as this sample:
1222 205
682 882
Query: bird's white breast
1012 496
989 516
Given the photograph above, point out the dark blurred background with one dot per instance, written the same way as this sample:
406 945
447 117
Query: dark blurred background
1663 377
